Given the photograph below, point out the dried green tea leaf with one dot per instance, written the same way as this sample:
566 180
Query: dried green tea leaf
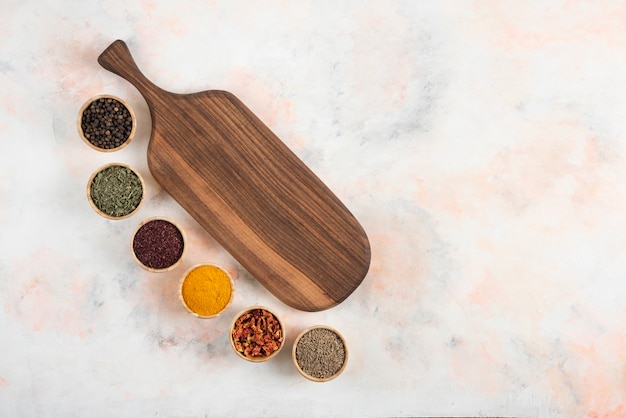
116 191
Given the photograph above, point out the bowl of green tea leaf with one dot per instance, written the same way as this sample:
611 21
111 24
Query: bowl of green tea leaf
115 191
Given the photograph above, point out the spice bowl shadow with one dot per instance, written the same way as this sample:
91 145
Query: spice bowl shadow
206 290
317 352
123 141
132 209
233 328
158 247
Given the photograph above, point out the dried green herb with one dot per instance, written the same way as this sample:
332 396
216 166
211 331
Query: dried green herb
116 191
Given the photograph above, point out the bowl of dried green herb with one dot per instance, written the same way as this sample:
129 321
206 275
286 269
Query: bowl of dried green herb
115 191
158 244
106 123
256 334
320 353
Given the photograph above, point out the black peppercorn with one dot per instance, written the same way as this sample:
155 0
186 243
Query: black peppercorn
106 123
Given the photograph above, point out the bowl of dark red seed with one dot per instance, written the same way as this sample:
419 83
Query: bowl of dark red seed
106 123
158 245
320 353
256 334
115 191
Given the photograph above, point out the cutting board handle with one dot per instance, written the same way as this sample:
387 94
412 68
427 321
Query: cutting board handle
118 59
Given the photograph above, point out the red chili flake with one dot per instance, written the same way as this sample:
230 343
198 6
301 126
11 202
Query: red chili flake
158 244
257 333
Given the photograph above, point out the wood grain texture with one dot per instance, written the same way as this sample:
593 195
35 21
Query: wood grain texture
250 192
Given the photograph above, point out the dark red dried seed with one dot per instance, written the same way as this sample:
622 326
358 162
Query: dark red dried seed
158 244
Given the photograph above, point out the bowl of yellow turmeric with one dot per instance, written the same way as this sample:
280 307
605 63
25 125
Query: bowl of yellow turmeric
206 290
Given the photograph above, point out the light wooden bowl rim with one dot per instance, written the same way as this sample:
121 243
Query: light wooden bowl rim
256 359
158 218
133 128
295 345
106 215
184 277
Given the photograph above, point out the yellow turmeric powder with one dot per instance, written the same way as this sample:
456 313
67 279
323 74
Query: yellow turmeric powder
206 290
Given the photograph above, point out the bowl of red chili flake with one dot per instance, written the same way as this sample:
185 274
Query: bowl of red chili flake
256 334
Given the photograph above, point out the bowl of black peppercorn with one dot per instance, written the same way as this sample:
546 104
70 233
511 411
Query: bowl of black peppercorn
106 123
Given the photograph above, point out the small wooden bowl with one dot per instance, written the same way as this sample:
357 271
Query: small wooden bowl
255 359
166 269
182 299
106 215
132 116
302 372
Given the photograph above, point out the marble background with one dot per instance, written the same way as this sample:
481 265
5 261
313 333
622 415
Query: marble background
482 145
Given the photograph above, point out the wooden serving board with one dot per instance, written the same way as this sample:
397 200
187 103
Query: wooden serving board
250 192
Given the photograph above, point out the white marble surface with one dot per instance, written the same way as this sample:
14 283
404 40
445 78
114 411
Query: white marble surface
482 145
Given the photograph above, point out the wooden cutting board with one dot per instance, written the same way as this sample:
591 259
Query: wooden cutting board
239 181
